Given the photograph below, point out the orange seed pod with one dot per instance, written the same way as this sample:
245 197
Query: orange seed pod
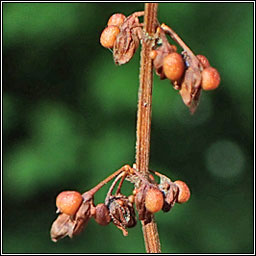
116 19
173 66
108 36
154 200
184 192
210 78
68 202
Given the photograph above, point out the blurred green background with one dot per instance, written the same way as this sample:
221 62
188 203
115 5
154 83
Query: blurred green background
69 119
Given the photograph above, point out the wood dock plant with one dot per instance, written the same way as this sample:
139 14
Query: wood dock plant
189 74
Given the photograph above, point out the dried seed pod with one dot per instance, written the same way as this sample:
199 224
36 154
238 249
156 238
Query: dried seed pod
154 200
122 212
158 56
184 192
102 216
210 78
116 19
66 225
68 202
108 36
173 66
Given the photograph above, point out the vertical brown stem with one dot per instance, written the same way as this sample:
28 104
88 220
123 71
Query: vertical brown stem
150 232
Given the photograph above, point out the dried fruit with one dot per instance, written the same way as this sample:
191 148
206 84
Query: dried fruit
128 39
143 213
66 225
116 19
68 202
108 36
203 60
102 216
154 200
184 192
210 78
122 212
173 66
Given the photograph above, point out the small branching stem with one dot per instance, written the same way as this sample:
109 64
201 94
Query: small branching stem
151 237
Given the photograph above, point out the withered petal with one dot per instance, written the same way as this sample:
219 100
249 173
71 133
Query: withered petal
61 227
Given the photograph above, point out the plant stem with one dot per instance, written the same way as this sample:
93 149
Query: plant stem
150 232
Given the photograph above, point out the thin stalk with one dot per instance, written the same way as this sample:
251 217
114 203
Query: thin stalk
105 181
151 237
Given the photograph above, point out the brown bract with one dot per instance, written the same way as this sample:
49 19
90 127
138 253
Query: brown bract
143 213
128 39
191 83
170 191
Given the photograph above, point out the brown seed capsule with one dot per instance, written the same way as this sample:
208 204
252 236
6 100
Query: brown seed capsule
68 202
184 192
154 200
122 212
116 19
210 78
102 216
173 66
204 61
108 36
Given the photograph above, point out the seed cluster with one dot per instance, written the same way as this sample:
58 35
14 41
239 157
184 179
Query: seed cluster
148 197
188 73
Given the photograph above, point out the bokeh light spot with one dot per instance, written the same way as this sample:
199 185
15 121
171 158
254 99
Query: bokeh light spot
225 159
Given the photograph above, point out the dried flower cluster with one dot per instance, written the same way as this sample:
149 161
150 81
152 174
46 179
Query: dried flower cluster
188 73
75 210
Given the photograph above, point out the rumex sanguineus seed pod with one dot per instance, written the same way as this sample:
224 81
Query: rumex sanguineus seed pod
173 66
184 192
102 216
154 200
68 202
108 36
210 78
116 19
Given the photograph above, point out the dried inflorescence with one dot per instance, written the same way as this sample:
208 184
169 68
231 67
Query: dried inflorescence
148 196
188 73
